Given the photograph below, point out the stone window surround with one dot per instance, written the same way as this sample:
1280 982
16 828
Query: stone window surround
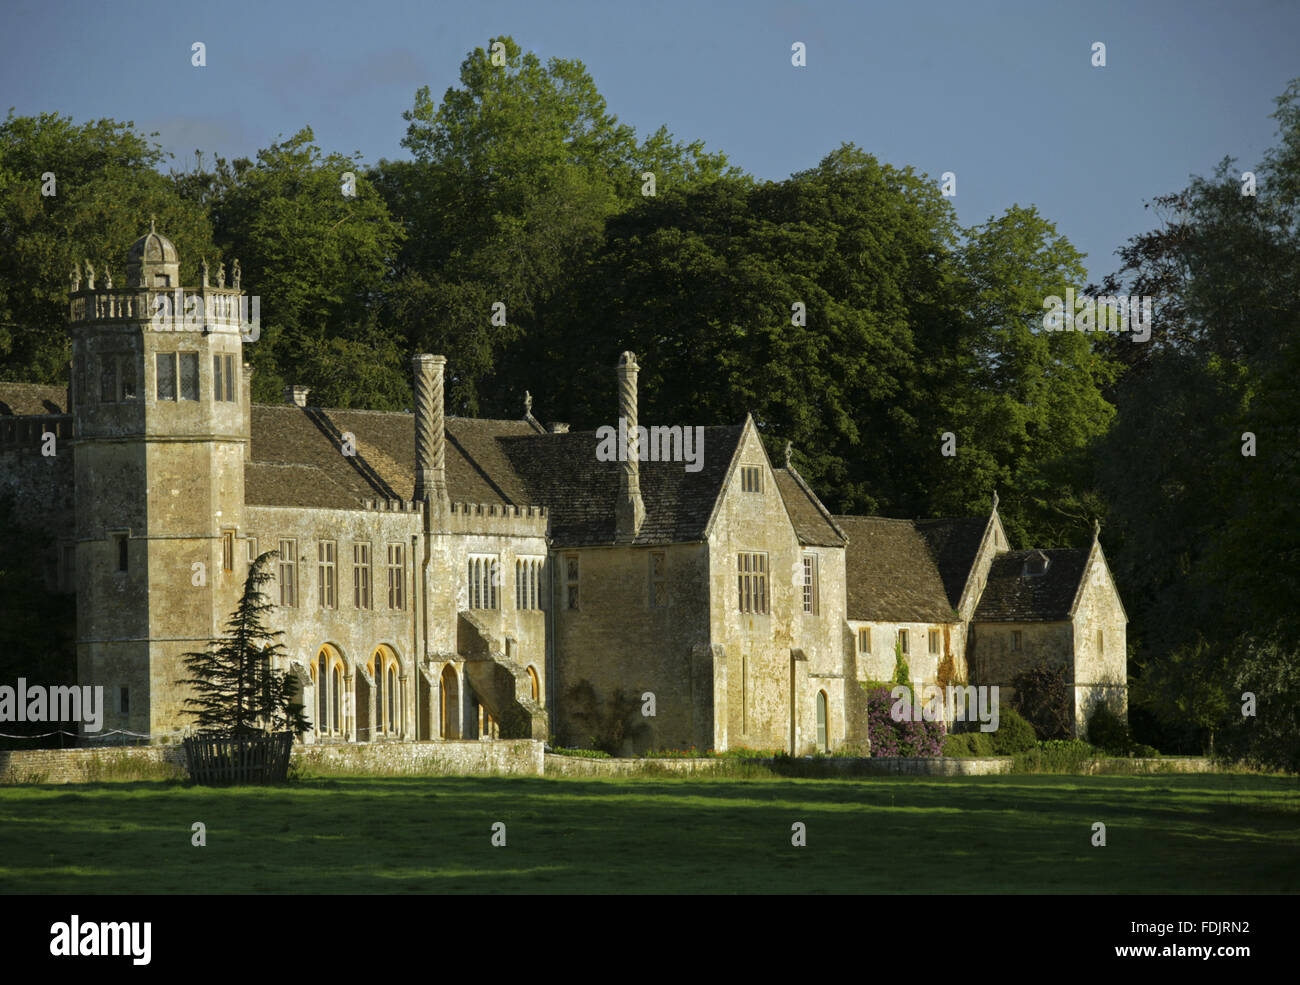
751 572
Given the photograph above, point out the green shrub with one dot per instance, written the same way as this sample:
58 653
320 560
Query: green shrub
1107 732
1045 698
582 753
963 744
1014 733
957 744
1056 756
902 673
1145 752
743 753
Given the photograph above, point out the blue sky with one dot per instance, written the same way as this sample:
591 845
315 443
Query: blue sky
1002 94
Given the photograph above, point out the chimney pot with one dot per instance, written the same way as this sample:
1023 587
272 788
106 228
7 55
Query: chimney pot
296 395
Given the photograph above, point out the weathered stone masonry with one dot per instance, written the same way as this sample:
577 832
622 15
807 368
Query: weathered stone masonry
443 578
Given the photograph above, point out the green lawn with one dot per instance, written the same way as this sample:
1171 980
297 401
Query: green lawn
1232 833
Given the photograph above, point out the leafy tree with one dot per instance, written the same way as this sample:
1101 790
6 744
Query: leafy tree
317 258
514 175
106 185
1025 405
239 691
1206 546
906 332
1270 737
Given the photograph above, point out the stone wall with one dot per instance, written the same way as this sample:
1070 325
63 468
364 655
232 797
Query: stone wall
993 661
353 634
618 640
515 757
512 758
507 758
880 663
581 766
41 485
1100 645
573 766
938 766
776 662
91 765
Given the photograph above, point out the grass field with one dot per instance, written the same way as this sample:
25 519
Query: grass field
1226 833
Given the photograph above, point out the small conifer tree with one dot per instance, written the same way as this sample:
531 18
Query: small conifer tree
238 690
902 673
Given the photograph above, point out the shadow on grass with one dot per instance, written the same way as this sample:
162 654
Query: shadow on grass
888 834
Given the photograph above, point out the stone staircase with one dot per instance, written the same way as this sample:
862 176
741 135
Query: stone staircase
501 684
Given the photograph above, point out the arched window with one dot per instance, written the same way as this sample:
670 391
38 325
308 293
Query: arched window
322 699
821 722
392 690
532 680
336 692
327 670
388 703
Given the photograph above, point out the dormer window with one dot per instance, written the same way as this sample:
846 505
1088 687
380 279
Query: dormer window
1035 565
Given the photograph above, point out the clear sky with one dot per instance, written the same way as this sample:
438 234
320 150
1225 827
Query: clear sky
1002 94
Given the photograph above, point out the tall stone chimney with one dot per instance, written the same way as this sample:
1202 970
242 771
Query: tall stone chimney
430 437
629 511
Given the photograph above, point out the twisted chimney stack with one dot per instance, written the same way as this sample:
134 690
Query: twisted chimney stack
430 435
629 512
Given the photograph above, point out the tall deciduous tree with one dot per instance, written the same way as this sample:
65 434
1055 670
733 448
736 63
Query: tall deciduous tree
105 184
1202 467
315 241
850 314
514 175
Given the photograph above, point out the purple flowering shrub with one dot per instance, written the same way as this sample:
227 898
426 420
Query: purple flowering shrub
905 738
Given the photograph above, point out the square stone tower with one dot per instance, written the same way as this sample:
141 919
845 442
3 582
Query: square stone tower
160 411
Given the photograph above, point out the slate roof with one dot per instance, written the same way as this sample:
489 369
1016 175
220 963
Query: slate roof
811 525
954 545
17 399
562 473
891 574
296 458
1011 596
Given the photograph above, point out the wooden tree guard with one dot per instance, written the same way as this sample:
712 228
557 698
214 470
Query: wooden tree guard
223 759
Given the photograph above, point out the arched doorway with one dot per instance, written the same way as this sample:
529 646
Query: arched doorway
821 722
449 709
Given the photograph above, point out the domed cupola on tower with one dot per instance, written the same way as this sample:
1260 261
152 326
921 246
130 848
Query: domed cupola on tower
153 261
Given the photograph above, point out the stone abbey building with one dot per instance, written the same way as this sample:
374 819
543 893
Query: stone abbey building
450 578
